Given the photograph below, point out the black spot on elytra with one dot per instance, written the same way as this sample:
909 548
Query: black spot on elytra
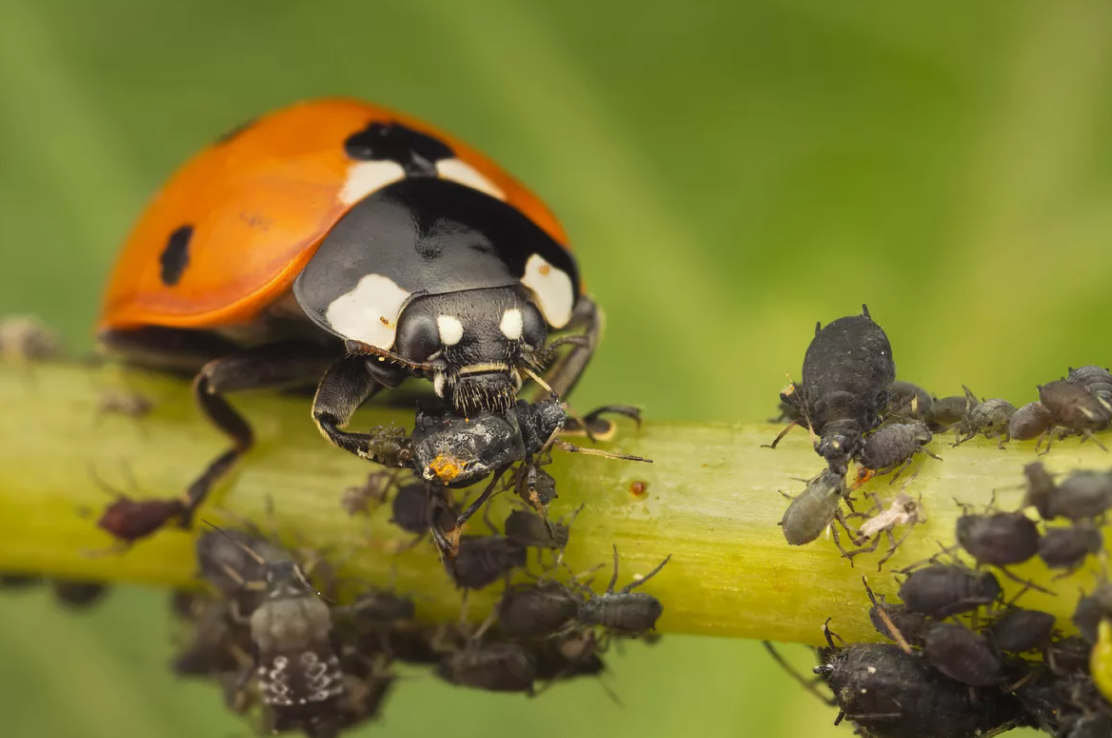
175 257
229 135
416 152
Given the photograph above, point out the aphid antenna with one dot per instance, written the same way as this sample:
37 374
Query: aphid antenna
811 685
830 635
882 613
1027 583
129 479
636 582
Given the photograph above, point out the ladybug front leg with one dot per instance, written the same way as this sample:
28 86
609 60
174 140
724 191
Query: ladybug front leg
346 385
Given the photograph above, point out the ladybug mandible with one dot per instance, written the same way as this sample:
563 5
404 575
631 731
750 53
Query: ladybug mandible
342 244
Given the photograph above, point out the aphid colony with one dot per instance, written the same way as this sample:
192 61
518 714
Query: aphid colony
856 411
964 663
263 632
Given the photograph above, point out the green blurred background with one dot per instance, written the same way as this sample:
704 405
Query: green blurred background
730 173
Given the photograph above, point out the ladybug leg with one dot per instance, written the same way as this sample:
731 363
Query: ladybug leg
168 349
565 372
346 385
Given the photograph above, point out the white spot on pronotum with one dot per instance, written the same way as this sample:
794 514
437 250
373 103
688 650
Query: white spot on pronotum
511 324
468 176
366 177
451 330
368 313
553 288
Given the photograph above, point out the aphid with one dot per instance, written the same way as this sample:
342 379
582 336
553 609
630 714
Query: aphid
998 538
896 621
1030 421
624 612
1090 610
531 530
482 560
1019 630
379 609
25 338
904 510
988 417
356 500
1076 409
961 654
1091 726
129 520
908 401
496 667
847 373
892 448
366 687
121 402
1082 496
573 655
949 411
534 610
812 512
939 590
1068 654
76 594
890 693
419 508
19 581
1067 548
216 645
1096 379
1100 663
228 559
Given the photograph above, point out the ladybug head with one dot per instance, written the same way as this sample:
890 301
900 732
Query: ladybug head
478 341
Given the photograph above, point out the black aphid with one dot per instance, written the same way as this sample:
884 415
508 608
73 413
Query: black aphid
215 645
1075 409
19 581
534 610
77 594
811 512
892 448
1030 421
624 612
1067 548
497 667
904 510
988 417
375 488
419 508
1019 630
1069 655
123 402
1090 610
890 693
941 590
379 608
482 560
532 530
229 559
998 538
963 655
1096 379
949 411
573 655
908 401
848 371
1083 496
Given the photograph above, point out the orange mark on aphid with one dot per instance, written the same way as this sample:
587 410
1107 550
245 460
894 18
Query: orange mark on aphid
637 488
446 468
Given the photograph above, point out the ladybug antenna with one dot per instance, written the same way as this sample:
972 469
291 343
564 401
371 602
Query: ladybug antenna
357 348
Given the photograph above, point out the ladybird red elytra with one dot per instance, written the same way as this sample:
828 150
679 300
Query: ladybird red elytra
339 243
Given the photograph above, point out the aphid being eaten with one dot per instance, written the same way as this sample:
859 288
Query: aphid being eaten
989 418
1074 409
890 693
625 612
904 510
892 448
848 371
815 509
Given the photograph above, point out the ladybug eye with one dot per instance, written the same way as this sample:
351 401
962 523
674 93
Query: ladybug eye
418 337
533 328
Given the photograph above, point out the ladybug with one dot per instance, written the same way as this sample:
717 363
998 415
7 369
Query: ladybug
341 244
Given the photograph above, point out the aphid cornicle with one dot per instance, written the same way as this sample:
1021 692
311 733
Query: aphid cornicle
890 693
1075 409
1029 422
989 418
963 655
939 590
892 448
848 371
1096 379
624 612
812 511
1019 630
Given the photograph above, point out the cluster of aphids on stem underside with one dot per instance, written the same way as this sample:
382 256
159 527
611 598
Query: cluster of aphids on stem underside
964 663
265 633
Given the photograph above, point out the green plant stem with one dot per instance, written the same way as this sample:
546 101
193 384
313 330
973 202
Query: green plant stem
712 502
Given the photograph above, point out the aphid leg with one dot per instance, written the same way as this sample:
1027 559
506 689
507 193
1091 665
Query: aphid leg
901 470
1026 582
783 433
830 635
1089 436
811 685
1048 434
838 542
893 544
